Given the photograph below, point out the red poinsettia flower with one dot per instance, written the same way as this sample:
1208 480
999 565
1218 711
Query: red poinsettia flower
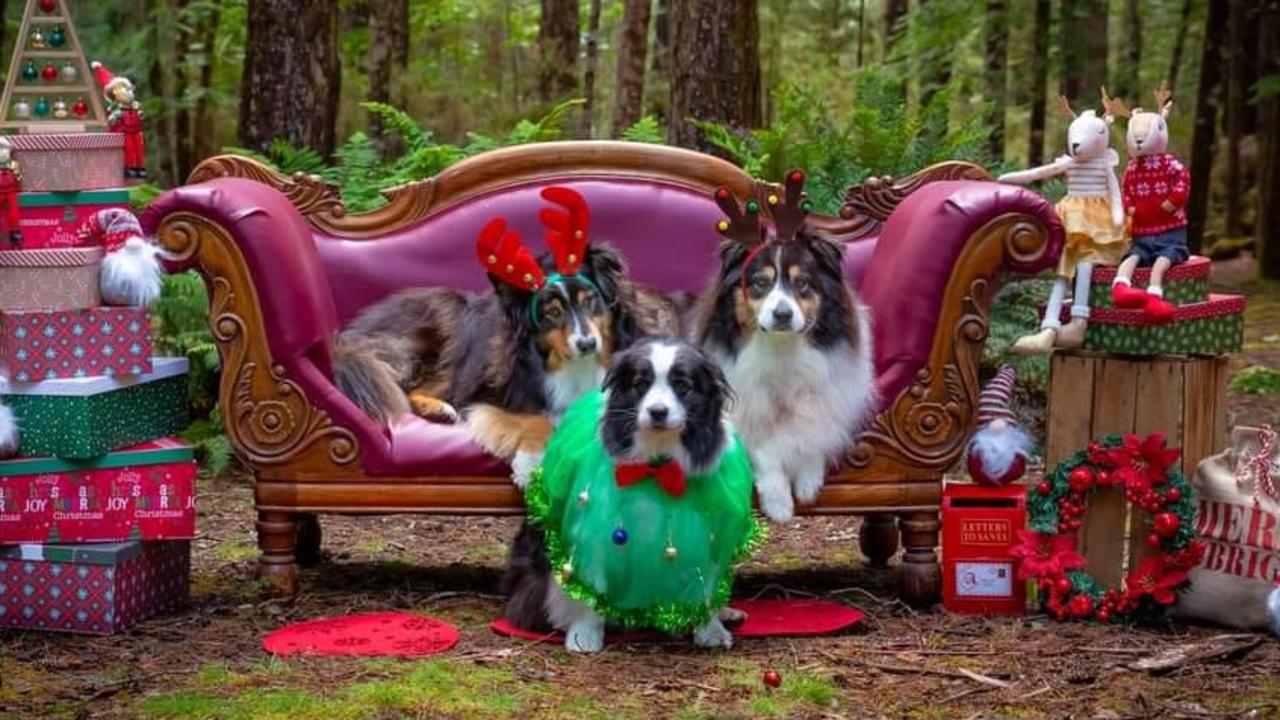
1155 578
1044 555
1155 458
1186 558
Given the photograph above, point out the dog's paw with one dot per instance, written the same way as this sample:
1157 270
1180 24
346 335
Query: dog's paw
732 616
713 635
776 502
523 465
585 635
809 481
433 409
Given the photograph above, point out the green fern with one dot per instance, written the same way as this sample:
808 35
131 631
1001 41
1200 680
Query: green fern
415 137
360 173
549 127
645 130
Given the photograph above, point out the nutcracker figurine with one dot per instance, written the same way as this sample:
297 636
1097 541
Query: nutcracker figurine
10 186
124 115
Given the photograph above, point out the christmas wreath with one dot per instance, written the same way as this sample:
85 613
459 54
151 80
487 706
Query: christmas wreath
1146 470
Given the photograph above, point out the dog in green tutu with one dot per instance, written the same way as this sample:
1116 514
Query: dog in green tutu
641 509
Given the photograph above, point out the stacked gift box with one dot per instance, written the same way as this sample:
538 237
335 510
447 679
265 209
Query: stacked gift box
1203 323
97 508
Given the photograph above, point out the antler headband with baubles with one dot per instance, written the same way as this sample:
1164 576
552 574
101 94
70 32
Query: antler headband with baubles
747 225
504 256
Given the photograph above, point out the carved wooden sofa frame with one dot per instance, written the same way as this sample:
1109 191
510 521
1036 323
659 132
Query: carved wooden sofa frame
305 464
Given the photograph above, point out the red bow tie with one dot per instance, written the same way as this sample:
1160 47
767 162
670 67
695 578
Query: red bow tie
667 473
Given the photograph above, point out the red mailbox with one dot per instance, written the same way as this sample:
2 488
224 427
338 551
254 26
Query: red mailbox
979 525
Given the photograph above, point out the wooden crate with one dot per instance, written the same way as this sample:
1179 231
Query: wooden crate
1094 395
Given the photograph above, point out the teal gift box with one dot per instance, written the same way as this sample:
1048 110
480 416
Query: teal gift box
85 417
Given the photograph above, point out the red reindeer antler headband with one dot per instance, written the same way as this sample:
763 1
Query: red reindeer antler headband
503 256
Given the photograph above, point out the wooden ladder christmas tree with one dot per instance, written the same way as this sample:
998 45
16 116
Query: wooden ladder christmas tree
49 88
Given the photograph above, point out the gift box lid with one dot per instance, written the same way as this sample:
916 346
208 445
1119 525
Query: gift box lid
155 452
51 257
66 141
162 367
1215 306
1195 268
90 554
80 197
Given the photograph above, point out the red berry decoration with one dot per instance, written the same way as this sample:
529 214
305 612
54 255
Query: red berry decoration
1173 495
1103 478
1064 585
1154 540
772 678
1081 606
1166 524
1044 488
1104 616
1080 480
722 194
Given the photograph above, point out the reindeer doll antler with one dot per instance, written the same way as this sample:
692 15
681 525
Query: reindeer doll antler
566 229
1064 106
503 256
1114 106
1164 99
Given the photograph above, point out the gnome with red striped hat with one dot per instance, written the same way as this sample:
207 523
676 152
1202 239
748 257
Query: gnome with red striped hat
131 271
124 115
999 450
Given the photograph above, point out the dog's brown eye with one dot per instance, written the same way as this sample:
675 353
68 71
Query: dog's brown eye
681 386
760 282
553 313
801 284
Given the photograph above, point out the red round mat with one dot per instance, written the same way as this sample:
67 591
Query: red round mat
393 634
765 618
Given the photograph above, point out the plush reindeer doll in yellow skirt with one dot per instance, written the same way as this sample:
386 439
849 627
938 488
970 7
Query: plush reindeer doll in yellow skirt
1093 216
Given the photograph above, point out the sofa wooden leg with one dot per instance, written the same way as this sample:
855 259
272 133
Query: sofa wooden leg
277 539
309 538
878 538
920 581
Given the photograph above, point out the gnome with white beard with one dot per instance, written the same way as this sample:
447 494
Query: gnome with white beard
8 432
131 271
999 450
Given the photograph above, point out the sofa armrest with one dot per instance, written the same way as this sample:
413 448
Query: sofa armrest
272 315
930 282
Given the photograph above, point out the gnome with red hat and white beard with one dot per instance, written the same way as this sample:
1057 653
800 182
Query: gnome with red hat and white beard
999 450
131 271
124 115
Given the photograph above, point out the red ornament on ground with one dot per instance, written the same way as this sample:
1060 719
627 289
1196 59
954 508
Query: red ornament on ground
772 678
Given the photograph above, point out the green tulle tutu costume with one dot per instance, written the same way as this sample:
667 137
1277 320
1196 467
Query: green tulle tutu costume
638 554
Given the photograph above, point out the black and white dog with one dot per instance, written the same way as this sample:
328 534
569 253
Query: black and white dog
794 341
663 398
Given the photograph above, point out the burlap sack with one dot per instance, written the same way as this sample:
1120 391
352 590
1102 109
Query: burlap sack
1238 519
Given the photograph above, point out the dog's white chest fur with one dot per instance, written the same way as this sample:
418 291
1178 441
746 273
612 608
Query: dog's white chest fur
796 407
571 381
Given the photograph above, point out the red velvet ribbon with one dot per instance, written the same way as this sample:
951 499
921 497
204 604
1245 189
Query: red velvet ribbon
667 473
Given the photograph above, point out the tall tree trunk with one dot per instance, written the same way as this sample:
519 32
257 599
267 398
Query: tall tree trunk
1039 83
1129 81
160 83
1179 42
660 77
1208 100
205 140
715 67
1268 225
381 42
862 30
292 74
633 43
935 66
1239 13
894 11
184 143
558 50
1082 42
398 28
996 29
588 125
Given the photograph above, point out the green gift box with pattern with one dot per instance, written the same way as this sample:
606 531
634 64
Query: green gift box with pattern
1184 284
86 417
1213 327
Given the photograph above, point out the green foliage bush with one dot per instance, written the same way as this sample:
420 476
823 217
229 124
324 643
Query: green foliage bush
1257 380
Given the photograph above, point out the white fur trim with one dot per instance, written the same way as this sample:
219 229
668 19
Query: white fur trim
8 432
132 274
997 448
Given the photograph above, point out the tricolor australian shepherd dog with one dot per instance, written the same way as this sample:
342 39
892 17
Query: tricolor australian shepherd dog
663 415
794 341
512 360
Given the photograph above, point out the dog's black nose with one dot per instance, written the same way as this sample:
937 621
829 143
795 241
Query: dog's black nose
658 413
1075 148
585 344
782 314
